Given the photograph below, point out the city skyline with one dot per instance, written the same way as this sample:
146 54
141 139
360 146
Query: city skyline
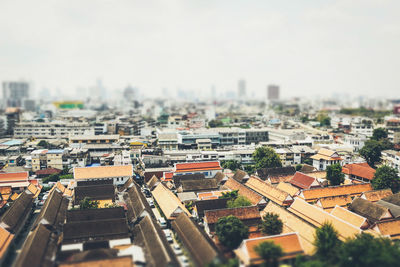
318 47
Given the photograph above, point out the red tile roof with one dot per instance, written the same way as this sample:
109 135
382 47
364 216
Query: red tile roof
359 169
301 180
48 171
197 166
243 213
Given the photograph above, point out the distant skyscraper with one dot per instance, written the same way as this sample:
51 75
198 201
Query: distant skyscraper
273 92
14 93
241 88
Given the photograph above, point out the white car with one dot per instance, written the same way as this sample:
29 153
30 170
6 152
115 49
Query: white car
168 235
162 222
184 260
177 249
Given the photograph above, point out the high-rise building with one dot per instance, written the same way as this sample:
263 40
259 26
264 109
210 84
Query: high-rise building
273 92
14 93
241 88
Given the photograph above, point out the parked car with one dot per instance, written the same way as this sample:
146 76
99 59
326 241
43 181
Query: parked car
162 222
168 235
151 202
177 249
184 260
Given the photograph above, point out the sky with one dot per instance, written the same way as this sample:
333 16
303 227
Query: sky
308 47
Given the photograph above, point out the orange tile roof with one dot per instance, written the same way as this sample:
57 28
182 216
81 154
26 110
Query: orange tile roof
122 261
350 217
302 180
362 170
331 202
376 195
278 196
5 241
99 172
290 244
197 166
168 202
389 228
5 190
243 213
288 188
14 177
14 196
243 190
351 189
317 217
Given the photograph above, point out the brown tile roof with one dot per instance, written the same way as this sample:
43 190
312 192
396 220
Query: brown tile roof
147 234
206 184
267 190
288 188
153 182
290 244
168 202
123 261
293 223
48 171
394 199
15 216
210 204
325 154
351 189
136 203
38 250
317 217
278 179
328 203
5 240
362 170
275 172
202 251
99 172
376 195
240 175
197 166
243 190
373 212
389 228
243 213
317 174
350 217
303 181
54 210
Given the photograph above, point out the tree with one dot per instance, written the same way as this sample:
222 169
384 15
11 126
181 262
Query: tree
240 201
231 231
269 252
366 251
44 144
271 224
215 123
379 134
266 157
334 174
327 243
298 167
233 165
230 194
55 177
371 152
250 169
87 203
386 177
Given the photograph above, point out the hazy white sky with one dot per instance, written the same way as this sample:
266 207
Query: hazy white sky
306 46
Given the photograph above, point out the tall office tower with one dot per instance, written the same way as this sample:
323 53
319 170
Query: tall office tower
273 92
14 93
241 88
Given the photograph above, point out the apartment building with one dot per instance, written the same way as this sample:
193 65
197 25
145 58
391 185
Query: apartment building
43 159
51 129
391 158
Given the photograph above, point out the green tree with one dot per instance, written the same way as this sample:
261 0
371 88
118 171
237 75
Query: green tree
87 203
327 243
386 177
379 134
231 231
230 194
270 253
233 165
55 177
334 174
366 251
44 144
271 224
250 169
240 201
298 167
266 157
215 123
371 152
